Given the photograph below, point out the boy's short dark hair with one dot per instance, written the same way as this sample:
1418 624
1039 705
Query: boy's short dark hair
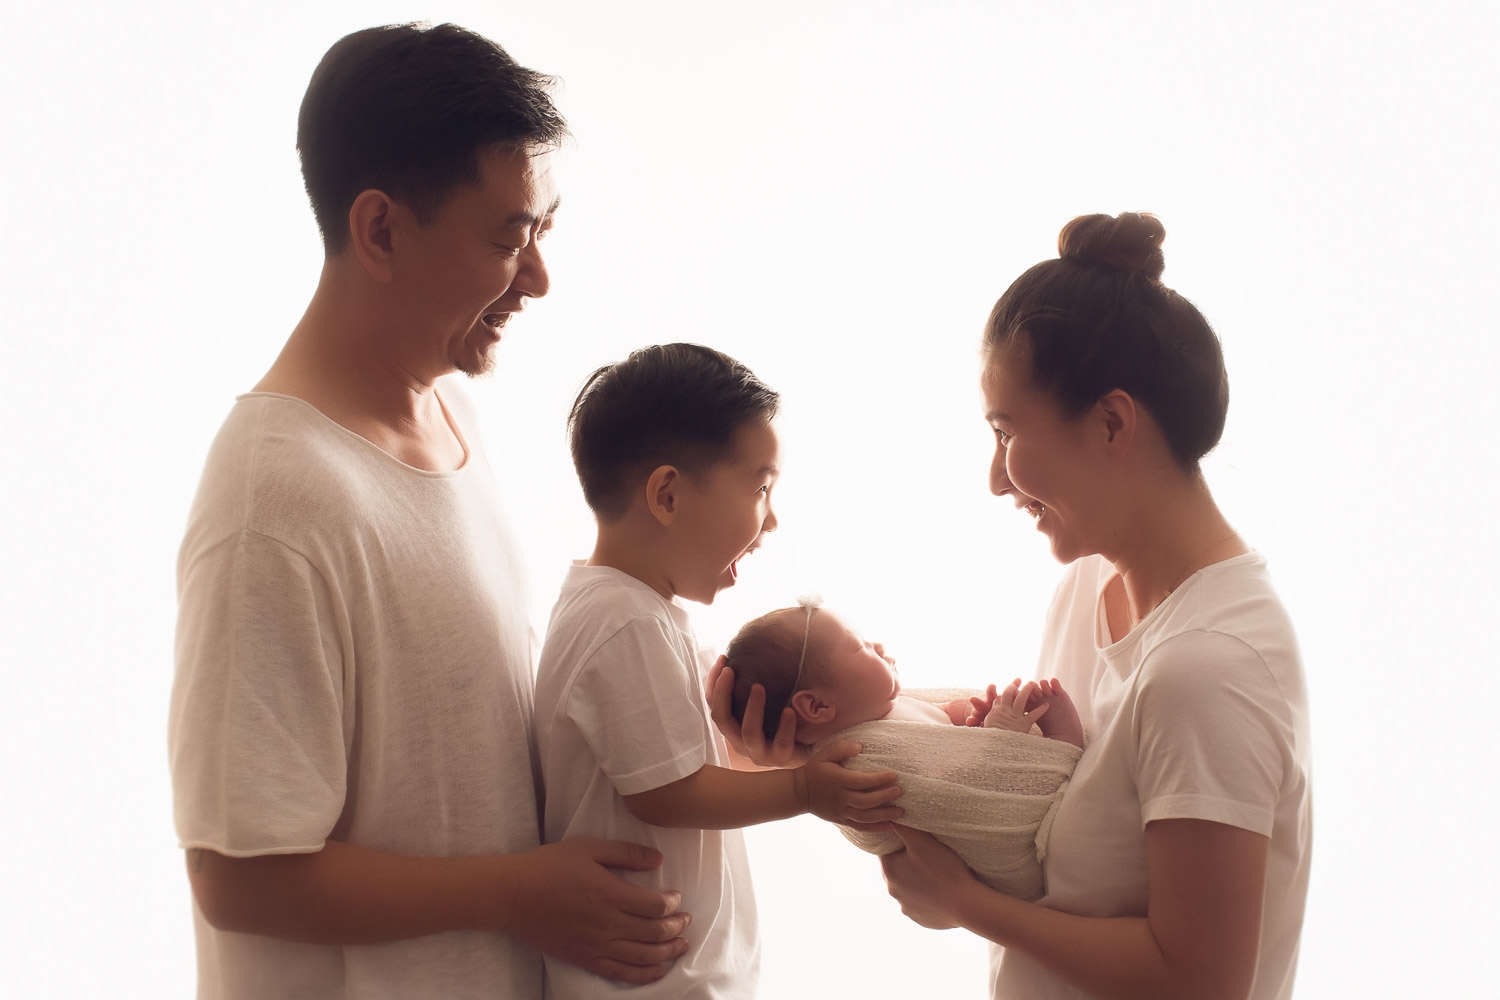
766 651
406 109
672 404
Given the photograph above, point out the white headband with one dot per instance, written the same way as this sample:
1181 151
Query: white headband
811 602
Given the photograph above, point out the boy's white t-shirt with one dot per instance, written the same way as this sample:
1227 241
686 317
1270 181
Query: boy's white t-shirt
620 710
354 664
1200 712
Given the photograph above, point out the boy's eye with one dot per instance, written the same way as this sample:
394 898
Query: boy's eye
1004 436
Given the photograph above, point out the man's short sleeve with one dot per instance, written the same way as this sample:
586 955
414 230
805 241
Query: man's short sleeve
256 731
1213 734
638 705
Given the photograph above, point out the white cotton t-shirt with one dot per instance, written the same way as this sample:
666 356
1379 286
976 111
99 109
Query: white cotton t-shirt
354 664
620 710
1200 712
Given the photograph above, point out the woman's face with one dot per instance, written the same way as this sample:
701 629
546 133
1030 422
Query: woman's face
1042 460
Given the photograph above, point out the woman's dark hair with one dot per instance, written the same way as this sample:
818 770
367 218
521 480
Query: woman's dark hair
406 109
672 404
1098 318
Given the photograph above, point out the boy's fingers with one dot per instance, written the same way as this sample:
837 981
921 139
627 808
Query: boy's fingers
838 752
751 728
720 690
786 734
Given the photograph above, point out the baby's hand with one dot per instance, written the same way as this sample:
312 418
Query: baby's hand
1063 722
980 706
1009 709
840 795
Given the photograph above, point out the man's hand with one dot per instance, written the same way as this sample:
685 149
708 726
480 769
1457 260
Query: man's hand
568 904
749 739
927 878
854 798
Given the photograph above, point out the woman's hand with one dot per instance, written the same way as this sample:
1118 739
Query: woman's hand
749 739
927 879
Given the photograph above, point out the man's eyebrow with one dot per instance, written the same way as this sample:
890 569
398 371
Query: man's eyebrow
529 219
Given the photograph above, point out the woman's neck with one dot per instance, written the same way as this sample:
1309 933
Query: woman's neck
1171 534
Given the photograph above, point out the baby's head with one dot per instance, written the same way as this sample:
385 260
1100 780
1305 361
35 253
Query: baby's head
807 658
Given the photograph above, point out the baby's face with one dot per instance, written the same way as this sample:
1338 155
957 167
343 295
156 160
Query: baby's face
856 677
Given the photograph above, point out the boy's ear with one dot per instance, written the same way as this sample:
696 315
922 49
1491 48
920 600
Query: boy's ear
663 487
810 708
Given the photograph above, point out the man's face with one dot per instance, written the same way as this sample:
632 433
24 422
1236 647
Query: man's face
474 265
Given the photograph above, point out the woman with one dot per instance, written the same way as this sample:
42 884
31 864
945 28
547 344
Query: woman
1177 864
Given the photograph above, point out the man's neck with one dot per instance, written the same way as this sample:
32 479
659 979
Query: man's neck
343 358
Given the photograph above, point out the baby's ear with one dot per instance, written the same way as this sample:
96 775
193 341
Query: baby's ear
812 708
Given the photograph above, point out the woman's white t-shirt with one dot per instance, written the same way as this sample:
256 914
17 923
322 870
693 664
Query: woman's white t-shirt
1200 712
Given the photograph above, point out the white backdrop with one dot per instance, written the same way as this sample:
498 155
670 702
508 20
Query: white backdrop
835 193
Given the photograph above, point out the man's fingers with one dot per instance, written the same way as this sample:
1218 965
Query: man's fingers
635 975
664 933
621 854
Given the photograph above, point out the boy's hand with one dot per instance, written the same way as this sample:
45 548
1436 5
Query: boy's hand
840 795
749 739
572 907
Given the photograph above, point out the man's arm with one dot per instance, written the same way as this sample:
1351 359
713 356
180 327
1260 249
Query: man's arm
560 899
1200 937
717 798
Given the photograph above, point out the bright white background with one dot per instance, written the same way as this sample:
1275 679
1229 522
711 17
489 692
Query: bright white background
834 193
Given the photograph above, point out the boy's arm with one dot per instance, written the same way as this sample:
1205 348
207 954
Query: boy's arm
560 899
717 798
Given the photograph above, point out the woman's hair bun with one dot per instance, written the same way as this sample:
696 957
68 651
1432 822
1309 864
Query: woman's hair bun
1130 241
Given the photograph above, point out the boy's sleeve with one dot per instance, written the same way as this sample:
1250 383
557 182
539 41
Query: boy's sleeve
1214 734
640 708
256 731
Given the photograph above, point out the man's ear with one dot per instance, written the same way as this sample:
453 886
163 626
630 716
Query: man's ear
663 489
1118 419
373 219
810 708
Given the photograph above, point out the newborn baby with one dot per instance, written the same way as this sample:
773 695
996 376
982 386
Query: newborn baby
808 659
989 792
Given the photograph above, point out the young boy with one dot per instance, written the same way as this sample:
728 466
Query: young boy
807 659
677 458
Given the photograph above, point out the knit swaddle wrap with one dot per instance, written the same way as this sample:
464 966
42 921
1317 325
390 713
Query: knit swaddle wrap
990 794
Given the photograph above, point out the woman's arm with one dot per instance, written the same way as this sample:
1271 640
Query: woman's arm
1200 937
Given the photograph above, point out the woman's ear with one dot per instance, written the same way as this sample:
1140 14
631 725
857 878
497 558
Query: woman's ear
1118 419
811 708
662 489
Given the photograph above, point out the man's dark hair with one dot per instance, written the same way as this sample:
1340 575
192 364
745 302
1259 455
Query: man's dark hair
672 404
407 109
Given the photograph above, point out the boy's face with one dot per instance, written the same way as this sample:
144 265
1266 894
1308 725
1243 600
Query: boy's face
856 677
723 514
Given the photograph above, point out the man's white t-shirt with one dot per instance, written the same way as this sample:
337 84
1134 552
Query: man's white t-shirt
620 710
1200 712
353 664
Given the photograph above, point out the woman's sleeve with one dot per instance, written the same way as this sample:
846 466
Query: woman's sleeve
1213 733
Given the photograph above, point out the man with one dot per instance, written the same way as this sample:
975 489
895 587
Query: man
351 731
